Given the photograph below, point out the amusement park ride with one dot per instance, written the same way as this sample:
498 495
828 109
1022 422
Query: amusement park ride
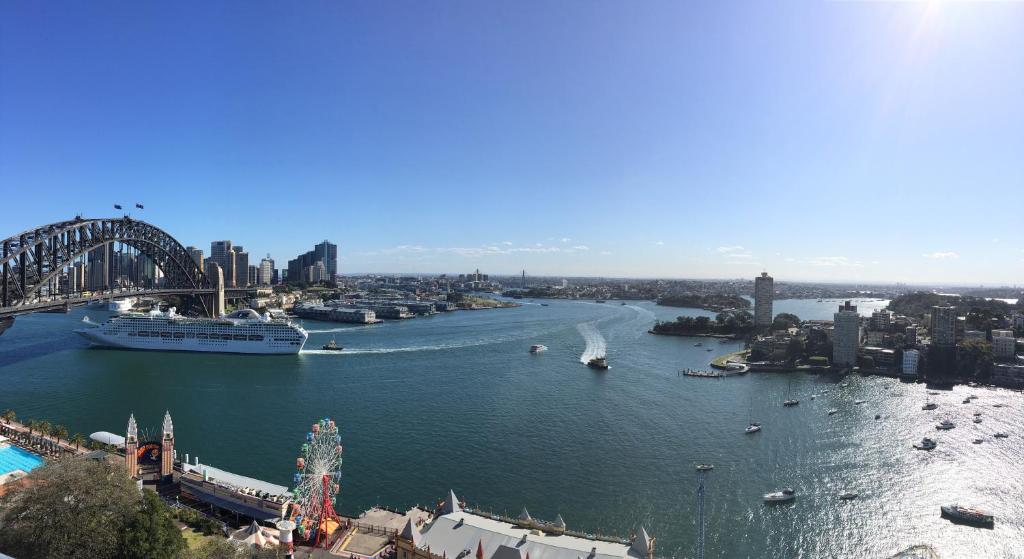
317 483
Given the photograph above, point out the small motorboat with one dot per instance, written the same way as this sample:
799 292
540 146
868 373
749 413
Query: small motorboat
848 496
977 420
926 444
859 402
792 402
1000 435
598 363
705 467
543 304
782 496
698 344
332 346
752 428
833 411
945 425
878 416
998 405
930 406
978 441
977 414
813 396
967 400
537 348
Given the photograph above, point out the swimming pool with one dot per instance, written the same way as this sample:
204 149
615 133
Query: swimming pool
13 458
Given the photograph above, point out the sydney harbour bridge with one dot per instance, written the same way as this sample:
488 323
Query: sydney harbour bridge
57 266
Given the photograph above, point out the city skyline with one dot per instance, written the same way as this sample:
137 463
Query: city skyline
653 142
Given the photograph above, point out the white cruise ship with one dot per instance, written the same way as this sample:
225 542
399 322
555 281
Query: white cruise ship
243 331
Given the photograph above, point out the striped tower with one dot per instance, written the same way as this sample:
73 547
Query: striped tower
167 449
131 448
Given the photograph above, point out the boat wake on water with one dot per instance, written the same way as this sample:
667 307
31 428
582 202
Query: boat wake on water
596 345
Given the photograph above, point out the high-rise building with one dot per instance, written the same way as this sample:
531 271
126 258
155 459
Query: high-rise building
911 358
253 271
943 326
223 253
764 290
327 252
242 265
266 273
197 255
846 335
910 336
1004 344
881 320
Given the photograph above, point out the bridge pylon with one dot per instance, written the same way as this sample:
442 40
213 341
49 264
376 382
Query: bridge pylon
215 301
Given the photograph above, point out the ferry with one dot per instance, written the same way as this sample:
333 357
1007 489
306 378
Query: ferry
968 515
598 363
121 305
537 348
243 331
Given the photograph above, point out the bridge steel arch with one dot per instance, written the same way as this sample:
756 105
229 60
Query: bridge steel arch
31 259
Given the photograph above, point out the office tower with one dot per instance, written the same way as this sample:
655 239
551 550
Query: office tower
764 290
845 335
266 271
943 326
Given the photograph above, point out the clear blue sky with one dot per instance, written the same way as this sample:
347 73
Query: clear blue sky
836 140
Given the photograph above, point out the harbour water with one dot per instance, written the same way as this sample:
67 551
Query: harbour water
456 401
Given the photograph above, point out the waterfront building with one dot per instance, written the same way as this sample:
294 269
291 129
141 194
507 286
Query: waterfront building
846 335
1008 374
764 290
455 532
911 357
943 325
1004 344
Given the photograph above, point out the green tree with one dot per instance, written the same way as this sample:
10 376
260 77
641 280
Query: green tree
44 427
974 359
795 348
77 439
72 509
785 320
8 416
150 533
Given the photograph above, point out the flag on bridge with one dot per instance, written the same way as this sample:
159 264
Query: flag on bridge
117 206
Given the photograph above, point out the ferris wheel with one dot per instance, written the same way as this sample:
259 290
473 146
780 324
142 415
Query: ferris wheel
317 482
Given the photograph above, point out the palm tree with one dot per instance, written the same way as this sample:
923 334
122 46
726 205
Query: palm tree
8 416
77 439
31 424
44 427
59 432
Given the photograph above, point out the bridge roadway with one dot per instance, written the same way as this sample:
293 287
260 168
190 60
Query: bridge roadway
58 303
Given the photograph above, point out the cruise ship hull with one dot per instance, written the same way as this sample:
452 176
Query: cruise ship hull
96 337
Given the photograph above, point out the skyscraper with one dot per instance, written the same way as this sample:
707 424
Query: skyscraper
265 275
242 267
223 253
197 255
327 253
764 290
943 326
846 335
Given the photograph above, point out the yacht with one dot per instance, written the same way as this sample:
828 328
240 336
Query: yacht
977 420
848 496
967 515
752 428
243 331
978 441
967 400
858 402
926 444
833 411
705 467
930 406
1000 435
121 305
945 425
537 348
698 344
783 496
977 414
791 402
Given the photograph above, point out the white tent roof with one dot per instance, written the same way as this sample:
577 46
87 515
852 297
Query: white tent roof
254 535
107 438
451 534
